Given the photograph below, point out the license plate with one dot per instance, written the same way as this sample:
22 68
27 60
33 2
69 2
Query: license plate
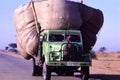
70 64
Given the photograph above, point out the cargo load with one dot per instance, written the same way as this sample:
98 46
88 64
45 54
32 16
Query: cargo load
92 21
53 15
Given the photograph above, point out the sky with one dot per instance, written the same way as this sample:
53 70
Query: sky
108 36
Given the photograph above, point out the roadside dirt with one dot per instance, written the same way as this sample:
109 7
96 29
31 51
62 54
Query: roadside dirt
106 67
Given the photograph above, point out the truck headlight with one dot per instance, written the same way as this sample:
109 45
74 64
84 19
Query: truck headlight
54 56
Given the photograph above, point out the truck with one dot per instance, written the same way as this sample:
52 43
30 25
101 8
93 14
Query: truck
61 51
57 35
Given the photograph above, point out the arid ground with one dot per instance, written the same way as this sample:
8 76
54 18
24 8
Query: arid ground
106 66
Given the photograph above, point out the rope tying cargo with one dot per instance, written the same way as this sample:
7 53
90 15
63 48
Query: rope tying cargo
35 17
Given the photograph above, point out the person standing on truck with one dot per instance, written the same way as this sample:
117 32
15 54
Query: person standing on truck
70 50
69 38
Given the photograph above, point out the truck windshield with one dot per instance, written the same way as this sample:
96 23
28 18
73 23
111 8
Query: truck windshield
73 38
56 37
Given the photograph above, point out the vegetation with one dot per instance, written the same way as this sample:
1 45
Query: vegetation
93 54
102 49
11 47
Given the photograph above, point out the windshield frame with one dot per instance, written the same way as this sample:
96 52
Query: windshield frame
60 37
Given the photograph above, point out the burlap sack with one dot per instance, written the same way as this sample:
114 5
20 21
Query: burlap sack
26 34
55 14
92 21
58 14
51 14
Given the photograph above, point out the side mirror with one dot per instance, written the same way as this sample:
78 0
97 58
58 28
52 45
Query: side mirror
41 37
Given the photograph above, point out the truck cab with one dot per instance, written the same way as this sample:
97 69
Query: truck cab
54 47
62 52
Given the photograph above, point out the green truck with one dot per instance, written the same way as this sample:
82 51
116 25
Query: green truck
61 51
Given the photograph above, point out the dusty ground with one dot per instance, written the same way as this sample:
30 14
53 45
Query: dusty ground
109 63
105 67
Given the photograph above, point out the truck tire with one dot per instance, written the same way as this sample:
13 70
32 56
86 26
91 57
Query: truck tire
37 70
60 72
85 72
46 72
69 71
65 71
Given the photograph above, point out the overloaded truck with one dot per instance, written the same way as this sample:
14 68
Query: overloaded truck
57 35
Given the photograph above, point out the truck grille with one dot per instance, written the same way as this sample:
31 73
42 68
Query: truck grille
71 52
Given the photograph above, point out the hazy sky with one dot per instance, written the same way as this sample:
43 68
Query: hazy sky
109 35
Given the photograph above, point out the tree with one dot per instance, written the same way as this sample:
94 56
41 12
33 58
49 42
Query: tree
6 48
13 45
93 54
102 49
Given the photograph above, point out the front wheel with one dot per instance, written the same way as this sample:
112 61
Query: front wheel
37 70
46 72
65 71
85 72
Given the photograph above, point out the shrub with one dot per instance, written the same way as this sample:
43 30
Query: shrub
93 54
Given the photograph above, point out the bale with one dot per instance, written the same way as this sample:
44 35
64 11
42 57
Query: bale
58 14
92 21
55 14
50 14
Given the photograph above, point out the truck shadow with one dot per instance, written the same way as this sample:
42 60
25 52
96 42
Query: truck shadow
103 77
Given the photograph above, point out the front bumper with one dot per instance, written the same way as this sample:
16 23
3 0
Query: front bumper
68 63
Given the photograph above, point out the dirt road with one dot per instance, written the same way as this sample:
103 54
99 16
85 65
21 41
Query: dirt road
16 68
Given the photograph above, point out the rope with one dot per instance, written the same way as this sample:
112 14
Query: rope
38 28
35 17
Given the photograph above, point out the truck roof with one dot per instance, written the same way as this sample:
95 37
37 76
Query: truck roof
62 31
